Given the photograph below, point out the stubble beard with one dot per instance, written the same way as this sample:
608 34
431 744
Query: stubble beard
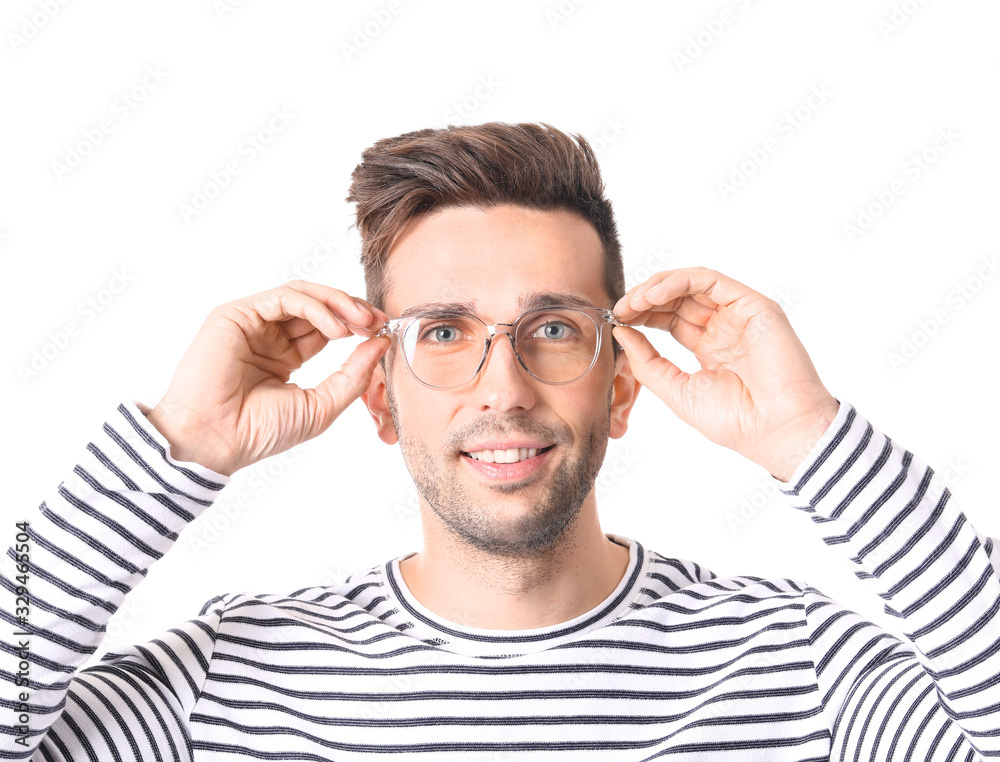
551 518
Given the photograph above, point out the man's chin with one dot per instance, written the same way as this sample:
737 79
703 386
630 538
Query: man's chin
512 536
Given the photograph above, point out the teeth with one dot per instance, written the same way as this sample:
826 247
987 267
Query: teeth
512 455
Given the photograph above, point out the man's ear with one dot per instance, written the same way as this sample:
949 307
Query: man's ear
625 390
376 399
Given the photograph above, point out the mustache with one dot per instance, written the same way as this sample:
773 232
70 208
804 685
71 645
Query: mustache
493 427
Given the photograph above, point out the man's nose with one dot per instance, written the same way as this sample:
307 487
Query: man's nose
503 380
502 343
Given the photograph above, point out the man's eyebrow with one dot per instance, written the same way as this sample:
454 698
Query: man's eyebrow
549 298
526 302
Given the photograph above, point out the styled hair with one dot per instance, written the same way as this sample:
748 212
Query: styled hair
535 166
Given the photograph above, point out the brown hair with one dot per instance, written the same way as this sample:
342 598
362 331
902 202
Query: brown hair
531 165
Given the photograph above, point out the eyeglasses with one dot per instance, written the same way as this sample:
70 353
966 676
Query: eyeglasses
556 345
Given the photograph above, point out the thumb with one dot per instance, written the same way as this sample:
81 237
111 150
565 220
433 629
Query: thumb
344 386
652 370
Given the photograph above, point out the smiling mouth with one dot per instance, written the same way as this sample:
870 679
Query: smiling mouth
503 457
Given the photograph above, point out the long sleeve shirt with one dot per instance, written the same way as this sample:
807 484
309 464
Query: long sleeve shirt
676 663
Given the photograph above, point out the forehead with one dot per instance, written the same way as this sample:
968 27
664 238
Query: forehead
496 261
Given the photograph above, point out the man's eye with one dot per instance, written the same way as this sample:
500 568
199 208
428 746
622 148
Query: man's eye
553 330
440 334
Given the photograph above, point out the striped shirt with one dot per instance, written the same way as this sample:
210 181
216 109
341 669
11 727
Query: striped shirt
676 663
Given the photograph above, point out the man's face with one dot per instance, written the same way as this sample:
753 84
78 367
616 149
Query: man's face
493 259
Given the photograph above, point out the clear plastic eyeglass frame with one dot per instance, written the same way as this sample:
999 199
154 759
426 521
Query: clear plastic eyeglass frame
601 317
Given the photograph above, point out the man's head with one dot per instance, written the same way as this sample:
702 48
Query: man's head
491 216
405 178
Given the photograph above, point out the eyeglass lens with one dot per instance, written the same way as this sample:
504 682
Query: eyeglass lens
556 345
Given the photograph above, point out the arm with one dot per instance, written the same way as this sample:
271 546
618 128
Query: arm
90 544
887 511
229 404
759 394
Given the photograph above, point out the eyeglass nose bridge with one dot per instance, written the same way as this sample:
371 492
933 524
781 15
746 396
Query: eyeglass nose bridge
491 332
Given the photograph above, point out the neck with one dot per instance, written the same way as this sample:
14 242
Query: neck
474 588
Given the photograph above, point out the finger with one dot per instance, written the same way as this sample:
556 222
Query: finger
663 287
338 300
295 328
657 373
300 327
695 312
344 386
650 281
285 302
656 293
368 319
364 331
705 300
686 333
654 280
309 345
685 308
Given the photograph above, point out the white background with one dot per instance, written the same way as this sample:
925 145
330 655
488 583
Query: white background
674 96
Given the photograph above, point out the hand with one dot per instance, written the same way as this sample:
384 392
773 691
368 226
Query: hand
757 392
230 403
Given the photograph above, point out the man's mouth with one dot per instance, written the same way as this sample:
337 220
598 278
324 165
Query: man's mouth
512 455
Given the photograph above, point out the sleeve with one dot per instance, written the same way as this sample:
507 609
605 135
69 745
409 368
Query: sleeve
75 560
896 519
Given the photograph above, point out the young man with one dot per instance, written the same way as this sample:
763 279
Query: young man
520 629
